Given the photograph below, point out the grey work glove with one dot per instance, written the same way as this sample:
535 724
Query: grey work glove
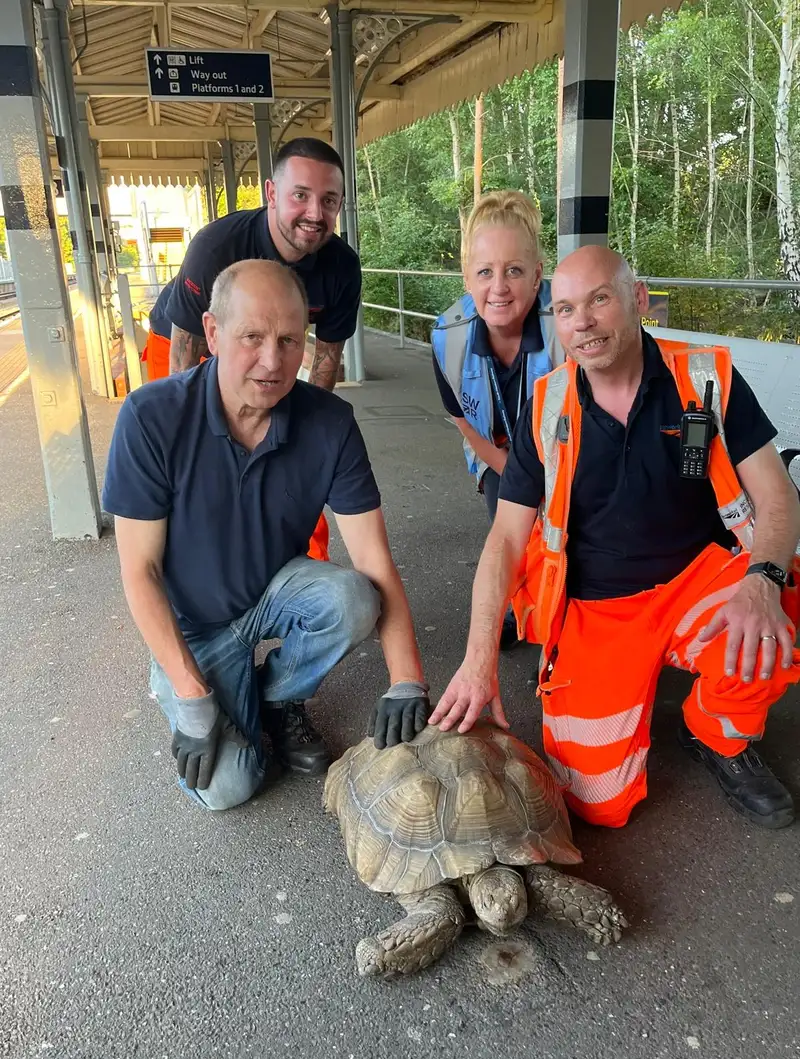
194 742
401 714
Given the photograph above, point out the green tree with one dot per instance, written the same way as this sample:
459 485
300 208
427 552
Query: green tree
705 182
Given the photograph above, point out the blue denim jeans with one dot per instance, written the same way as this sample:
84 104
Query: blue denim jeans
320 612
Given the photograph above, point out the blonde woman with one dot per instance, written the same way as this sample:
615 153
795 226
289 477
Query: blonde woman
497 339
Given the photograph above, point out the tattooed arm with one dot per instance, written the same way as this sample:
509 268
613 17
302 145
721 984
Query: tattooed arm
185 350
324 363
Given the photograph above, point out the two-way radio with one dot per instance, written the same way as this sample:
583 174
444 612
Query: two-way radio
697 430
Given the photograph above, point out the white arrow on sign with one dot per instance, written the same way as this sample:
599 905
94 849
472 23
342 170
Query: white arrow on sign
157 58
158 72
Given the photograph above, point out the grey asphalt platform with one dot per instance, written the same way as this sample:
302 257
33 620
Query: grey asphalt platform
134 924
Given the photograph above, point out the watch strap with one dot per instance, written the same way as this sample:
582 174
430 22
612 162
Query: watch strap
775 573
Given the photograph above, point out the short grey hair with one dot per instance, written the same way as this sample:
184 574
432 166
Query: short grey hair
270 271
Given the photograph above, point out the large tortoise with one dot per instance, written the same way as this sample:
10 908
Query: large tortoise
449 823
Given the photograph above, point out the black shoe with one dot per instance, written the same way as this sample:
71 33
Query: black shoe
748 782
508 634
297 744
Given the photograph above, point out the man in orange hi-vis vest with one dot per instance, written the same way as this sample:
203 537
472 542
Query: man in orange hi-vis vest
631 565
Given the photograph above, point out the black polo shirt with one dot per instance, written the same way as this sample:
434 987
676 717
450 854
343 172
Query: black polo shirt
634 523
234 518
331 276
509 378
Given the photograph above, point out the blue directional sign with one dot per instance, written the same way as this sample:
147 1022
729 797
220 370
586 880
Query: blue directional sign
209 76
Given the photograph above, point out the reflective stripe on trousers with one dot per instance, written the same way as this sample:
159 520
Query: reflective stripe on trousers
598 700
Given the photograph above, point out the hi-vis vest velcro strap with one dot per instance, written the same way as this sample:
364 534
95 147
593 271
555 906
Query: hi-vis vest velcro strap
550 432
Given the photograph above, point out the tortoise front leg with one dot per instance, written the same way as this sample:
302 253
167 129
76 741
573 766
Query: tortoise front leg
588 907
435 919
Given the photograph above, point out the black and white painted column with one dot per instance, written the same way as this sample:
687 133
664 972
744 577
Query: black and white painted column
263 127
105 212
590 76
26 188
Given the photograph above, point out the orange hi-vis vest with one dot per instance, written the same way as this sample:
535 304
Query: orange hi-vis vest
540 603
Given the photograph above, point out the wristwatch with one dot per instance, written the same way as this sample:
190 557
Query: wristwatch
775 573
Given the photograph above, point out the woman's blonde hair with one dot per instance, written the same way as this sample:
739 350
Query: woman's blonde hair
505 209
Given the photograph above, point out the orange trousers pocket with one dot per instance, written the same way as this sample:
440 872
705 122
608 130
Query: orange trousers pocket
318 545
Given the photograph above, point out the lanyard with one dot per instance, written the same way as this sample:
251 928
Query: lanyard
498 396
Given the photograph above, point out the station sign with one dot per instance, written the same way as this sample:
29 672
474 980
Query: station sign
231 76
658 311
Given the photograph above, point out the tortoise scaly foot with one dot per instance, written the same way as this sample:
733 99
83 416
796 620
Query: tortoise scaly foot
588 907
434 921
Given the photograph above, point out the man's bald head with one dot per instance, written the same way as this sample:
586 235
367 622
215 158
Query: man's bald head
254 275
256 327
598 262
598 305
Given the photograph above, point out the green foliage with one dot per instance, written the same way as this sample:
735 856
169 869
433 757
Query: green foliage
683 61
128 258
66 242
3 243
248 197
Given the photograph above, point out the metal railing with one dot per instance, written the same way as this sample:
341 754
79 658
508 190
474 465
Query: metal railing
400 308
652 281
130 304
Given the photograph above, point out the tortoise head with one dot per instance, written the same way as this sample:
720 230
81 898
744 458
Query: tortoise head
498 898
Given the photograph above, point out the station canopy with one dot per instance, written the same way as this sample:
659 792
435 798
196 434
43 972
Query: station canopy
412 59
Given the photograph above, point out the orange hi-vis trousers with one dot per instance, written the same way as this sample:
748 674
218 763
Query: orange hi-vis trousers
598 698
156 356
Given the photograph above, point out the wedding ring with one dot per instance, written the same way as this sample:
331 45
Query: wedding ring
770 637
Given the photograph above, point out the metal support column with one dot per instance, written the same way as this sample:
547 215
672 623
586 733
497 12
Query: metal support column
132 361
401 304
229 170
590 73
335 79
26 190
60 80
342 29
86 154
211 192
261 120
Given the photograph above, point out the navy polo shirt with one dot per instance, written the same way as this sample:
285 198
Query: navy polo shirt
509 377
331 276
634 523
234 517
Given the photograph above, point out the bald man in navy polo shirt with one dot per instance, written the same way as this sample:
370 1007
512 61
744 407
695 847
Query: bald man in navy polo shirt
216 477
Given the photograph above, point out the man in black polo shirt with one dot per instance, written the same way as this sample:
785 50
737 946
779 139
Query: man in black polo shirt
296 228
634 567
217 477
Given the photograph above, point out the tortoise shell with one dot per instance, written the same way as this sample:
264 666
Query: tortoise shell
444 806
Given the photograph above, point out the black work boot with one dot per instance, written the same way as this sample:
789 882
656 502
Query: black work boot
748 782
297 744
